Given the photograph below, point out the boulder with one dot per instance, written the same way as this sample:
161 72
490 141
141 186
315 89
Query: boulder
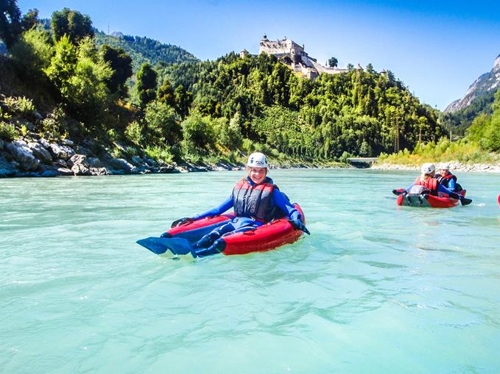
78 164
40 152
23 154
7 169
61 151
122 166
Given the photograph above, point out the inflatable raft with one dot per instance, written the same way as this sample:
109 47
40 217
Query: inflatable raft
180 240
419 197
426 201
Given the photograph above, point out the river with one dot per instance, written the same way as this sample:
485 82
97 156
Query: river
375 288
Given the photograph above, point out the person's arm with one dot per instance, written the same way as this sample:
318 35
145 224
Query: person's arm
407 189
293 214
451 184
454 195
447 191
227 204
281 201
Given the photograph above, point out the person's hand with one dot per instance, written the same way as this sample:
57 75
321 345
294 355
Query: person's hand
399 191
182 221
299 225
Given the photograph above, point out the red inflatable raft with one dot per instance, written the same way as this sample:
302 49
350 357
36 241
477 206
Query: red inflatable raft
180 240
426 201
418 196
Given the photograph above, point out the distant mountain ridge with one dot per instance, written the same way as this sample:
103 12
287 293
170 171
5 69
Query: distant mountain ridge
486 84
143 49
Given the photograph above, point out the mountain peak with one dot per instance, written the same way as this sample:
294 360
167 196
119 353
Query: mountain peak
486 83
496 66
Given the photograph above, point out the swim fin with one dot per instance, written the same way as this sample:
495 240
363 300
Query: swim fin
178 246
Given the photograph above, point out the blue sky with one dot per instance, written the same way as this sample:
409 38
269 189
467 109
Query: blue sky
437 48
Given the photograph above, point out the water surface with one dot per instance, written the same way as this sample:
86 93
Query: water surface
376 288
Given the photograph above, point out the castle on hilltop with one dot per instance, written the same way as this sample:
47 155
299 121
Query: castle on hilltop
296 57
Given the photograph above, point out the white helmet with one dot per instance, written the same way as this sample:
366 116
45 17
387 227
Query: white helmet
428 168
257 160
445 167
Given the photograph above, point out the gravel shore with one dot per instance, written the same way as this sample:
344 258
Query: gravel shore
454 166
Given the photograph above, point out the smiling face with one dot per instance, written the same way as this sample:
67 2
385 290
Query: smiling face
257 175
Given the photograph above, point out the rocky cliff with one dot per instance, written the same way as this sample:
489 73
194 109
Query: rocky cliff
485 83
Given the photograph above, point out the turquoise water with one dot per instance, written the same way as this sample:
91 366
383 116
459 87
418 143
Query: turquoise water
376 288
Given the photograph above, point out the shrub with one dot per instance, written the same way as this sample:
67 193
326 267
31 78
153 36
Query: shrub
20 105
8 131
134 132
163 154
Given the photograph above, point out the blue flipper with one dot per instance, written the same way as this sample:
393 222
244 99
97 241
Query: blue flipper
178 246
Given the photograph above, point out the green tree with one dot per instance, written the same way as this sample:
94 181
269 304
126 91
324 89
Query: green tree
485 129
121 65
183 100
80 73
30 20
333 62
32 54
10 22
62 65
162 124
71 23
228 133
165 93
146 84
198 135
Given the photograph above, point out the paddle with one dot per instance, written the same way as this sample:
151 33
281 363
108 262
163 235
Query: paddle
178 246
498 199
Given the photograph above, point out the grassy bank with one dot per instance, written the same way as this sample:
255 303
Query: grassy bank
463 152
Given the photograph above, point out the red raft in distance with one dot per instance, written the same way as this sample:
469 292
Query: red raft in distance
426 201
420 197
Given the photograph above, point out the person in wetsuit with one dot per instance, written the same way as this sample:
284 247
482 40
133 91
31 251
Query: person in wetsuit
256 200
428 180
448 179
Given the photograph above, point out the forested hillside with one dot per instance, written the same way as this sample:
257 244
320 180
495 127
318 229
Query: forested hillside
135 97
460 120
361 112
144 50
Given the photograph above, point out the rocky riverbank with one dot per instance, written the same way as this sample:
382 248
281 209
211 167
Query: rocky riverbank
38 157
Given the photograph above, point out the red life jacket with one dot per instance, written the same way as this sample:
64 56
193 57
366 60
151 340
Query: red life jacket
253 201
430 183
445 179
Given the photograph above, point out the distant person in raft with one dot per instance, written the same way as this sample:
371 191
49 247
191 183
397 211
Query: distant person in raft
427 181
255 199
448 179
